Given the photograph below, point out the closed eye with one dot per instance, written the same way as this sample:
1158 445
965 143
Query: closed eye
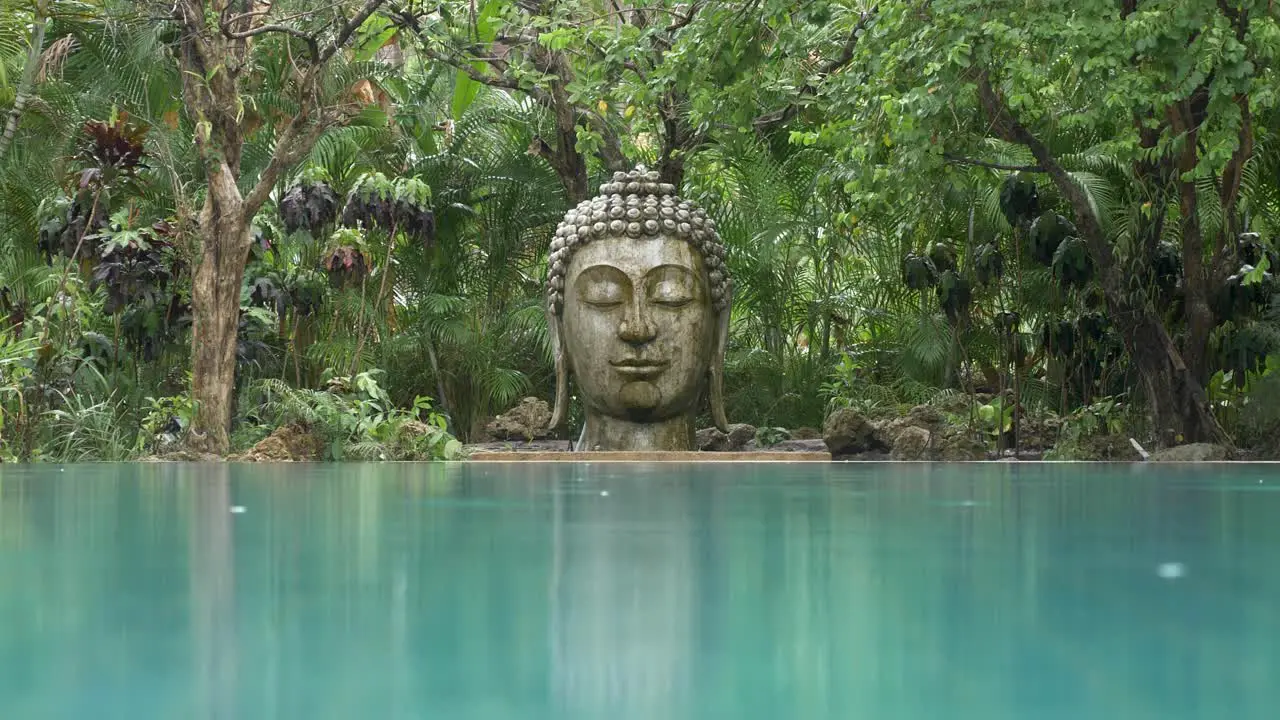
605 297
670 293
602 287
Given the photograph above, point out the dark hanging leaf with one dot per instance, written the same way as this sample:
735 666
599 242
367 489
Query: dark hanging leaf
264 292
1166 266
1047 234
943 257
1249 248
89 176
1009 325
988 263
1008 322
64 226
1019 201
165 230
116 145
260 244
954 295
95 349
1092 328
1231 299
371 203
1237 298
1243 350
416 222
133 272
1058 338
251 348
177 315
1072 265
310 206
1095 299
306 294
346 267
917 272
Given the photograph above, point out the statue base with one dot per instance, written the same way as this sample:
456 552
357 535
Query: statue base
650 456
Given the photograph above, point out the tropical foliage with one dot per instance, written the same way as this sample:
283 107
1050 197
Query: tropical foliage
208 213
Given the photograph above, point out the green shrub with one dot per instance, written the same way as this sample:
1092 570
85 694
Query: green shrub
354 418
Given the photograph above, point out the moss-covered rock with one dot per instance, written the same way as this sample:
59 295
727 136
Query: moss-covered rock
958 444
806 433
1096 448
848 432
739 435
289 443
712 440
1194 452
911 444
527 421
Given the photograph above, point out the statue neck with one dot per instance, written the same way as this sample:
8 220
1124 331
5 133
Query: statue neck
625 435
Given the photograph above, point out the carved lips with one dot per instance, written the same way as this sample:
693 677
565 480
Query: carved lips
639 368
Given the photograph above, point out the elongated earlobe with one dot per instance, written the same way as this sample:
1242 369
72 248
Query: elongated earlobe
561 409
716 371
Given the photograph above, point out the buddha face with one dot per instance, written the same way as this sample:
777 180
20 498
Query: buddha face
638 327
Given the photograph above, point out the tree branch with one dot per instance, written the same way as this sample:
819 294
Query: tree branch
771 120
688 18
1006 126
296 141
850 45
349 29
500 81
264 29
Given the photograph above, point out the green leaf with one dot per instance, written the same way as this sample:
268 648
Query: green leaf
374 35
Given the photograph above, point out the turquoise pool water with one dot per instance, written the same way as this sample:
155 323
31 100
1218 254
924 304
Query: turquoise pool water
612 592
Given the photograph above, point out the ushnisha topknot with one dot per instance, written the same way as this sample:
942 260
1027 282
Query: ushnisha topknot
635 205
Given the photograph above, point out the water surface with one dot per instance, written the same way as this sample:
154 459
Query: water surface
744 592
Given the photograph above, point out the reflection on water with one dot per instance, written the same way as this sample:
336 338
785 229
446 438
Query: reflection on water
618 592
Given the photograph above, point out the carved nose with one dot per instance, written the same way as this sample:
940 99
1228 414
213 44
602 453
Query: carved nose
637 330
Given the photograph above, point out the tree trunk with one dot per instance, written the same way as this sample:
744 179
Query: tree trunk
214 52
1179 406
1196 282
215 309
27 84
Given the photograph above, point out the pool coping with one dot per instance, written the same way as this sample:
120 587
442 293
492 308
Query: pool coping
650 456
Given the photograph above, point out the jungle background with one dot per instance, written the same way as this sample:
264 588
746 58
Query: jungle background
1041 225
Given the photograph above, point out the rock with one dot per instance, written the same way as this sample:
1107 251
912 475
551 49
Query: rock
1111 448
813 445
912 444
711 440
957 445
959 403
806 433
526 421
290 443
887 431
847 432
1195 452
739 435
925 416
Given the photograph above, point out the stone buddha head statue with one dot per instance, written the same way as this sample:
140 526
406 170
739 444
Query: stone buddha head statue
638 301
